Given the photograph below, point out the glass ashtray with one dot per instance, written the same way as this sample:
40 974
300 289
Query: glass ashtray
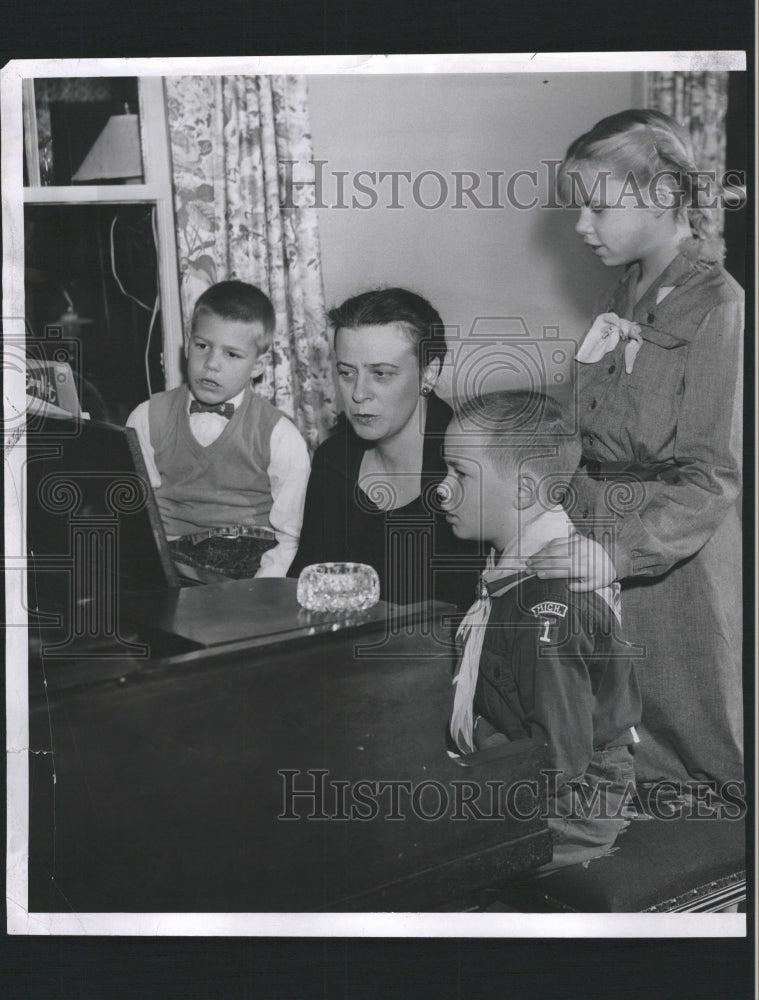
338 586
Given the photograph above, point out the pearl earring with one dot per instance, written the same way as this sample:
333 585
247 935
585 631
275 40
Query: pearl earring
425 390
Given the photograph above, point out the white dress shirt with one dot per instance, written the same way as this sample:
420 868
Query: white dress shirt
288 471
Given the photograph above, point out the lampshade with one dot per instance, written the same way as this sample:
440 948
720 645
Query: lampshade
116 154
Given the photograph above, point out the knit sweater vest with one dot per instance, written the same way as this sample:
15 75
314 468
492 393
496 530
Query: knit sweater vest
226 483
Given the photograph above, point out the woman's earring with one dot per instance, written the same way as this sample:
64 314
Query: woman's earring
425 390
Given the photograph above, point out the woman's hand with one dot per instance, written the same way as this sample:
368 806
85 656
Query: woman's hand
581 559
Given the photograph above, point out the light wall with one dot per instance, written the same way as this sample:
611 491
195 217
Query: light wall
469 262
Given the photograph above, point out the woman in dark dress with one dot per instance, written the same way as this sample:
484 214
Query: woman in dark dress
372 494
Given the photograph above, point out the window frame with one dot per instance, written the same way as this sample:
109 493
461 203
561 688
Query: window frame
157 189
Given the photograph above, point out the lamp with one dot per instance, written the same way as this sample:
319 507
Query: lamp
116 153
70 320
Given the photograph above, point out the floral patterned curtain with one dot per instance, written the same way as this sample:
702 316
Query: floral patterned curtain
234 140
699 102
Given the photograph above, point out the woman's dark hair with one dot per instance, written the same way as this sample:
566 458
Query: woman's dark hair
395 305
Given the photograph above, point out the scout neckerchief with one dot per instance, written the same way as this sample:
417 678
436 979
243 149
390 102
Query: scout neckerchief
604 335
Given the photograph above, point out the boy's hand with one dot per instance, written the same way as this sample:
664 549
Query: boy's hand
584 561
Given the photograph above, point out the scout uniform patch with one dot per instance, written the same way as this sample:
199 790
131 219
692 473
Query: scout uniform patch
548 612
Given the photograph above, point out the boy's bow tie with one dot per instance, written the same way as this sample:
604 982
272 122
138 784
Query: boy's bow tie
224 409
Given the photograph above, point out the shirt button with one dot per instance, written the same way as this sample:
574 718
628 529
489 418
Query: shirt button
612 369
593 405
589 438
650 318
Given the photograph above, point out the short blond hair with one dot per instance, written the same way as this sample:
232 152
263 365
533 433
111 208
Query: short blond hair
238 301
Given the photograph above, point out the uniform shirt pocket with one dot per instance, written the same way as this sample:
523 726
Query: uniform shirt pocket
659 366
497 695
648 404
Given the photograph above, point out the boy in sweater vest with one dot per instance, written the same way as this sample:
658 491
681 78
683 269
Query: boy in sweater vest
219 455
539 660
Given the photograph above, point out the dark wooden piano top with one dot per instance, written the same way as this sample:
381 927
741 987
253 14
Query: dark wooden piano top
167 786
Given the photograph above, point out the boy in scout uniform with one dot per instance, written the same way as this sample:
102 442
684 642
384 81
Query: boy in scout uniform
538 659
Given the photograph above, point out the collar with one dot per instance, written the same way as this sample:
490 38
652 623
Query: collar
679 270
674 278
500 571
